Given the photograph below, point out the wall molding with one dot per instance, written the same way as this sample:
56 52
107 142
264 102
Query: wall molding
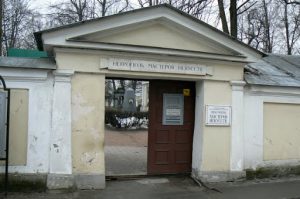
24 75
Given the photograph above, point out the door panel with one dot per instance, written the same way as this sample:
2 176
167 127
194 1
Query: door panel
170 145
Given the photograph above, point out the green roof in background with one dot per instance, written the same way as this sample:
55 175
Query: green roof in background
15 52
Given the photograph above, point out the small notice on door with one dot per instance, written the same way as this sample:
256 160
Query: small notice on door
173 112
173 109
218 115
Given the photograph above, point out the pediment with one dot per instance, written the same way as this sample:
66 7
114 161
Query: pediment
158 35
160 30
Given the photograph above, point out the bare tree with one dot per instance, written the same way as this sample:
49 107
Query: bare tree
291 20
265 24
268 17
71 11
80 8
292 2
34 23
250 28
192 7
234 12
268 39
68 12
223 16
144 3
261 26
16 20
233 18
106 5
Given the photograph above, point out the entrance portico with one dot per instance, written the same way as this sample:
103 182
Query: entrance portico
156 43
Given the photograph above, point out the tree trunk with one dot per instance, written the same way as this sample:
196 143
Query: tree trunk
296 2
103 11
134 82
268 42
122 84
114 85
233 18
223 16
287 31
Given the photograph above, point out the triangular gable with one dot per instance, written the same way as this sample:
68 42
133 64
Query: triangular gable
160 34
161 27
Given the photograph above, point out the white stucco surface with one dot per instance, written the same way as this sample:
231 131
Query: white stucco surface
237 130
198 130
40 87
254 123
281 131
60 140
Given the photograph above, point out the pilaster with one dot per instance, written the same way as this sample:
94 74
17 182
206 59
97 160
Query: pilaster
237 132
60 140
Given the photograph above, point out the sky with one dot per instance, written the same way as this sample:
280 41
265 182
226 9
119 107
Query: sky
42 5
212 18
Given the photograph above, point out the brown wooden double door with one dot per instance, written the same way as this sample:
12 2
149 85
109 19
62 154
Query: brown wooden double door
170 145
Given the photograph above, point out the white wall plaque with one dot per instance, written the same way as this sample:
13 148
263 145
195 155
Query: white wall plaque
155 66
218 115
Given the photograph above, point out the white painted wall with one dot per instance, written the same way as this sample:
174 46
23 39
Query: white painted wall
253 122
40 86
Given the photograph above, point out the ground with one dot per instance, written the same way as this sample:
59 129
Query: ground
178 187
136 138
125 152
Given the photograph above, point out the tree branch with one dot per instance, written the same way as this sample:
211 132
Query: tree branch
246 9
292 2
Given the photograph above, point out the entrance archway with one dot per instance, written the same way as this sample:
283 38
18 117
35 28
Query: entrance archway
164 148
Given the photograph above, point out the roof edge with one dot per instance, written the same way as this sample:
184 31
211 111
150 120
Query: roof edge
38 35
28 63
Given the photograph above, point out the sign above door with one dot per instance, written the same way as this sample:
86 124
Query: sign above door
155 66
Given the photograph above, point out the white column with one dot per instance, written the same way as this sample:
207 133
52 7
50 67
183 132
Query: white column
198 130
237 131
60 140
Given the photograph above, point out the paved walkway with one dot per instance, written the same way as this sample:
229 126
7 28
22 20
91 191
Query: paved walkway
125 152
178 188
138 138
121 160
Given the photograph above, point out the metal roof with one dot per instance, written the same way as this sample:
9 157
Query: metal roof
33 63
274 70
30 53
